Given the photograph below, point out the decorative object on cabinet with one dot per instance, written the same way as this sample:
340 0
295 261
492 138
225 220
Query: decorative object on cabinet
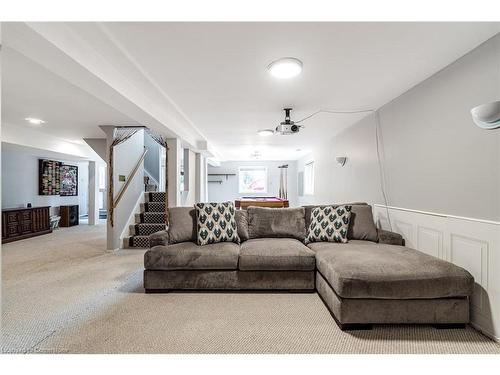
54 222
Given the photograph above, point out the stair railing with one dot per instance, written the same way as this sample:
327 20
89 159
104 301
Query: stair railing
127 183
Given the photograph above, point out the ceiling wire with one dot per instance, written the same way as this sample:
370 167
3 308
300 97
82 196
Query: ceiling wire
335 111
377 142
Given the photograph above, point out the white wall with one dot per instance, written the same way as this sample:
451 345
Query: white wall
152 159
125 158
228 189
20 179
435 158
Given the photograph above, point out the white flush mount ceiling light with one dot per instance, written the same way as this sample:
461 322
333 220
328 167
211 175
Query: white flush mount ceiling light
265 132
34 121
284 68
487 116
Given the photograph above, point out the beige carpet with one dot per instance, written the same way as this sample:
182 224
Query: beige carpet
62 293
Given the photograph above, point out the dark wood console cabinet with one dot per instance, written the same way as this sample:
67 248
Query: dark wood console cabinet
21 223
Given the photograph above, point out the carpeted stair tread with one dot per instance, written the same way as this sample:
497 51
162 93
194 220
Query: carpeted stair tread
139 242
153 207
150 218
146 229
157 196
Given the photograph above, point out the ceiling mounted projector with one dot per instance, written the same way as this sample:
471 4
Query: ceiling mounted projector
287 127
487 116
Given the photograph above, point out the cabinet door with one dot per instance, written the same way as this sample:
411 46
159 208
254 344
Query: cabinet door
41 219
25 222
12 231
10 226
11 218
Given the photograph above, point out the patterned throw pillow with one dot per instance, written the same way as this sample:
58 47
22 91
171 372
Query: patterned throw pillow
216 223
329 224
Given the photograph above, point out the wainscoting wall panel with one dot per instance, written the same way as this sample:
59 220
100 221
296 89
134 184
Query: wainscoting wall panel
467 242
430 241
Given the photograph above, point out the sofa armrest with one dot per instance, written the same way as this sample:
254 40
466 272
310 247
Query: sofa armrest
158 238
390 238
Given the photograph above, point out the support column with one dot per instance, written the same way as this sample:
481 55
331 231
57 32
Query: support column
201 178
197 183
93 193
111 243
204 195
174 171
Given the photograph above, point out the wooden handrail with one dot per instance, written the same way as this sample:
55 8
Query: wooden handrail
127 183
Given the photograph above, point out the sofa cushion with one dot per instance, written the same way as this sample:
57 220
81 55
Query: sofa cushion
319 247
216 223
241 217
308 209
361 225
275 254
329 224
182 224
390 238
190 256
266 222
357 270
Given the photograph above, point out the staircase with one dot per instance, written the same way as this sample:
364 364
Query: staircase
149 184
150 220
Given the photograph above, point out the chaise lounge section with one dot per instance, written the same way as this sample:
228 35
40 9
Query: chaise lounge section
372 279
363 283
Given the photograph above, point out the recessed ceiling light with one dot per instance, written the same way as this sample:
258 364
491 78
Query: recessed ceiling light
286 67
34 121
265 132
298 150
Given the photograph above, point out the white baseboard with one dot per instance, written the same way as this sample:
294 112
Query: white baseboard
485 332
473 244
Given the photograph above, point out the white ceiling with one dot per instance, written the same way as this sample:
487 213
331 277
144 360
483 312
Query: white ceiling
29 90
215 75
216 72
41 153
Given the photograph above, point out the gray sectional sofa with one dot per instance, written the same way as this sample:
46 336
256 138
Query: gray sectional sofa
372 279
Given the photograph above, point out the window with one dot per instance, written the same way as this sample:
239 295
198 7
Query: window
309 178
252 180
